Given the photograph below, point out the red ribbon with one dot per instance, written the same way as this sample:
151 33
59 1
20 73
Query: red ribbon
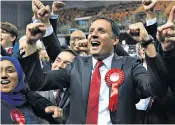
115 83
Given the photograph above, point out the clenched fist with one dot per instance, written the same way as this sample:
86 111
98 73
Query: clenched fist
138 32
149 4
35 31
82 45
44 14
56 6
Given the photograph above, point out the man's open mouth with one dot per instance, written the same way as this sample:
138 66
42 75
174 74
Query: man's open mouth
95 43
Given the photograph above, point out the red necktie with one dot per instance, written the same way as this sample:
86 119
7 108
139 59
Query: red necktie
10 51
93 100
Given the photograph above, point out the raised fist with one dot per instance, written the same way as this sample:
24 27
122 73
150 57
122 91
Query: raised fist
44 14
56 6
138 32
82 45
149 4
35 31
36 6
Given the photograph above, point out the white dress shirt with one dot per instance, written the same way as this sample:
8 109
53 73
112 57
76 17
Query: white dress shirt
150 22
103 112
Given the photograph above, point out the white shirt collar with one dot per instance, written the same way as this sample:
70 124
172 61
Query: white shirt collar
107 62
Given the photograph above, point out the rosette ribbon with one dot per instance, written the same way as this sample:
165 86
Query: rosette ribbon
114 78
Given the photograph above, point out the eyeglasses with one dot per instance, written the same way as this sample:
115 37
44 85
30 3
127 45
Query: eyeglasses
76 38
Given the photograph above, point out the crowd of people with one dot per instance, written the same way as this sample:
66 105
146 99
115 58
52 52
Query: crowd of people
121 12
92 81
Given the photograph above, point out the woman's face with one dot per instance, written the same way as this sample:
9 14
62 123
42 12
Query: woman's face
9 76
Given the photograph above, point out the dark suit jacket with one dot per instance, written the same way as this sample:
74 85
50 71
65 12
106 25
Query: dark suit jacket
169 60
77 77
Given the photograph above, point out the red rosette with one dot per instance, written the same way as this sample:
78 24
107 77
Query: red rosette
17 116
114 75
114 78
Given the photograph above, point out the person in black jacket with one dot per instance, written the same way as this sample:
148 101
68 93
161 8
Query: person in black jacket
63 95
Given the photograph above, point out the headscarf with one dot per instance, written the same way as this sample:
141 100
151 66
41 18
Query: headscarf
16 97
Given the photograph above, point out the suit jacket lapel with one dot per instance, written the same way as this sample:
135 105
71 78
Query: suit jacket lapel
86 78
64 98
116 62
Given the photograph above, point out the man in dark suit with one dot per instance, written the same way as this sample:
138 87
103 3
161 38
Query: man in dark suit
103 36
63 95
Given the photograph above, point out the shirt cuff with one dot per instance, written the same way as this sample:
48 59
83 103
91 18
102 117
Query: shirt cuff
49 31
151 21
53 16
36 21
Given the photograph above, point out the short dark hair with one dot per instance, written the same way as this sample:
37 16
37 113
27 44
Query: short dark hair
70 51
115 27
9 28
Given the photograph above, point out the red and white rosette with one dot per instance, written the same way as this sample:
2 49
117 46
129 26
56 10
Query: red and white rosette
114 78
17 117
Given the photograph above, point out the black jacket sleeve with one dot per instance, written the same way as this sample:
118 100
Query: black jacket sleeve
153 80
44 81
152 30
38 104
52 46
54 25
37 101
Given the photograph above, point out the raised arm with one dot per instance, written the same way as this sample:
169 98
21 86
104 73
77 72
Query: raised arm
50 40
31 65
155 80
56 6
151 20
166 37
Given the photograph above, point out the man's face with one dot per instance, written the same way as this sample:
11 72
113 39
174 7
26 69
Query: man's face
26 49
63 59
75 37
22 46
100 39
9 76
6 39
142 52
